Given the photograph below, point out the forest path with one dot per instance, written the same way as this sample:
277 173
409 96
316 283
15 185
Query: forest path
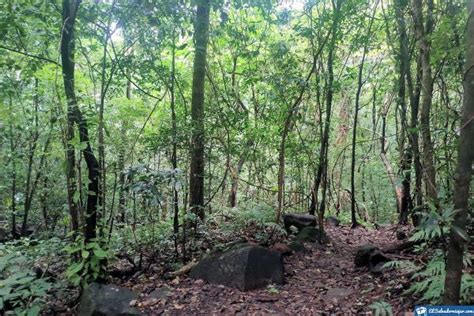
322 279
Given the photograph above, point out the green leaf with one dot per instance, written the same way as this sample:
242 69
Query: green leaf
461 233
100 253
75 268
34 310
76 196
85 254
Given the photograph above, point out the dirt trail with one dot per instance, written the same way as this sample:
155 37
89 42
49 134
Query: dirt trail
318 280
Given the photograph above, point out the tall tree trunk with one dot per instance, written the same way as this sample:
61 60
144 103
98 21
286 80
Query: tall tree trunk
121 161
31 156
323 151
196 181
13 175
458 236
75 117
414 92
406 152
234 175
360 83
422 33
174 150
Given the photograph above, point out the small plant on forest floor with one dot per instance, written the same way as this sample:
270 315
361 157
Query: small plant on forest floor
20 290
381 308
258 219
90 260
271 289
428 279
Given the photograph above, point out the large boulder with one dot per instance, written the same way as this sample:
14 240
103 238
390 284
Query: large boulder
333 221
300 221
247 268
107 300
312 234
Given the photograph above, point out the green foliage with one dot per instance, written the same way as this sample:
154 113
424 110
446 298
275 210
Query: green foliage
271 289
434 225
381 308
89 263
429 282
21 291
402 265
428 279
257 217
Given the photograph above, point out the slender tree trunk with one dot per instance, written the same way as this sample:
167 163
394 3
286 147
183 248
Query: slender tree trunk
13 176
414 92
360 83
121 162
232 199
174 150
422 35
31 156
323 151
458 236
388 167
405 205
44 201
196 182
75 116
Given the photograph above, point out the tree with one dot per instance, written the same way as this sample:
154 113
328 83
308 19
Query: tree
422 33
75 117
196 180
458 236
321 171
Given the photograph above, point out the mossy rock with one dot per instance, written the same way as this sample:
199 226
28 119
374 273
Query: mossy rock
312 234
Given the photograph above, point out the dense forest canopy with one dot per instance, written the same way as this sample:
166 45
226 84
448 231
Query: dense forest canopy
157 131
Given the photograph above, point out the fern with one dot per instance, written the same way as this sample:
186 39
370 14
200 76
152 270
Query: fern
381 308
402 265
428 282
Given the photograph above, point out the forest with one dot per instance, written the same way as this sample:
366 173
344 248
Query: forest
230 157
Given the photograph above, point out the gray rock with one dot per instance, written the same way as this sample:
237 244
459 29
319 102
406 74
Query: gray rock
312 234
333 221
247 268
107 300
300 221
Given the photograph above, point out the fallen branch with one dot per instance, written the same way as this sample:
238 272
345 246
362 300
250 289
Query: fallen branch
184 269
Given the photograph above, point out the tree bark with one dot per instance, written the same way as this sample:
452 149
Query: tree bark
196 181
405 205
458 236
13 175
323 151
360 83
75 117
31 156
422 33
234 175
174 150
